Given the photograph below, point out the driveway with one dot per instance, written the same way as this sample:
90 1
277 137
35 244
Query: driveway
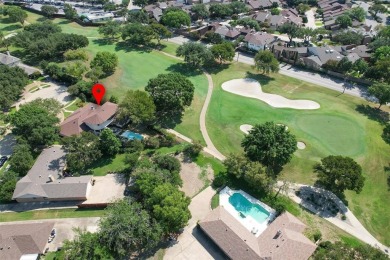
7 144
192 243
55 91
64 228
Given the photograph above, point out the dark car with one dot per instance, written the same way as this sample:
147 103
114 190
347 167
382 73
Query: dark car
3 159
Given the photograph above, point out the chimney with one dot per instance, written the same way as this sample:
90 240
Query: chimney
51 178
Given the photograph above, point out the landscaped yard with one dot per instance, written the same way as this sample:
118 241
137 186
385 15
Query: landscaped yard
8 27
49 214
336 128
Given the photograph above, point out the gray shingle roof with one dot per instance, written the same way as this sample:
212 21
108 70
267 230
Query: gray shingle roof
281 240
20 239
50 164
8 59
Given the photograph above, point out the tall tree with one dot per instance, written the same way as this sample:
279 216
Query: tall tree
270 144
137 106
358 13
238 7
12 82
8 182
109 143
70 12
21 160
200 10
381 91
15 14
35 124
266 61
171 93
49 10
220 10
127 229
110 29
175 19
223 52
138 34
161 32
195 54
81 151
290 29
106 60
338 173
381 53
302 8
344 21
141 3
85 245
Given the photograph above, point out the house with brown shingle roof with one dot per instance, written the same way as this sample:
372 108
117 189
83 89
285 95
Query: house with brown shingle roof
46 180
90 117
20 241
283 238
259 41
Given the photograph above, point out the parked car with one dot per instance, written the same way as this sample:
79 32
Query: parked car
3 159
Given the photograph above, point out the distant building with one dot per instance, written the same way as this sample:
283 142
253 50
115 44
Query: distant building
283 238
90 117
95 17
318 56
46 180
227 32
259 41
24 241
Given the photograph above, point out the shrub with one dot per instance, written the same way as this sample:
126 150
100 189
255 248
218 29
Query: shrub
304 19
343 217
317 235
194 35
193 150
152 142
133 146
167 140
386 133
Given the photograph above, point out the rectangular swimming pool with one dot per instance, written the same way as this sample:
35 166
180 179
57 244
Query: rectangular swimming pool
247 208
131 135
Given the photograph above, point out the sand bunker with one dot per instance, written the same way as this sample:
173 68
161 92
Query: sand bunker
301 145
246 128
251 88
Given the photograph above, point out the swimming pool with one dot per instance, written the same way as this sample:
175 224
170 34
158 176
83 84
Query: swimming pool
247 208
131 135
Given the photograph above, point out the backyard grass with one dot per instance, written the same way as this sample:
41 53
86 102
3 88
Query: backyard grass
215 201
108 164
50 214
343 125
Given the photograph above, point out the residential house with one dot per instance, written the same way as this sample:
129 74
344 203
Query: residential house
11 61
90 117
47 180
24 241
362 51
259 41
283 238
227 32
318 56
292 16
259 4
274 21
291 55
154 12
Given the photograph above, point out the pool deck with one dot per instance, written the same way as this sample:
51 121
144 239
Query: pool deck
248 222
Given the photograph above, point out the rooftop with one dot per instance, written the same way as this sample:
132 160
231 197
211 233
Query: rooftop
283 239
17 240
45 179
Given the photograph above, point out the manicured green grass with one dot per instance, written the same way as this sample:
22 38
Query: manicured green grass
105 165
336 128
7 27
49 214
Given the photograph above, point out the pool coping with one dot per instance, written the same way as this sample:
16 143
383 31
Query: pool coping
248 222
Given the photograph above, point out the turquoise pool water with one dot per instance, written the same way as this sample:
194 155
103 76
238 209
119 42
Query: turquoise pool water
131 135
241 204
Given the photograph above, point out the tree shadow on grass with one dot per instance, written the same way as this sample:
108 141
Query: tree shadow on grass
103 42
127 47
172 120
262 78
12 27
216 68
65 22
373 113
184 69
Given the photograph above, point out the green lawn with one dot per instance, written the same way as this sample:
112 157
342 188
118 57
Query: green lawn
336 128
105 165
50 214
8 27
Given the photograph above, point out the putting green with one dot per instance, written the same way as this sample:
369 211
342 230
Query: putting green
339 135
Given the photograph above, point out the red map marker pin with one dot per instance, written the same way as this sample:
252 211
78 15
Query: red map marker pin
98 92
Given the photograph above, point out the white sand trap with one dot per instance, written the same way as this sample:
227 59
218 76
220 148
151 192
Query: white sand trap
246 128
251 88
301 145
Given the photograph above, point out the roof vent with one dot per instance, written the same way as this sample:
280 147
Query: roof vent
327 51
331 51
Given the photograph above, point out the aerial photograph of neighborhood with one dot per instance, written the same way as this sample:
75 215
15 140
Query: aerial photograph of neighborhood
194 129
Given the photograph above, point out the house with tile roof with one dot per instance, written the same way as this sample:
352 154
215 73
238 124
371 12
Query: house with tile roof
24 241
283 238
90 117
46 180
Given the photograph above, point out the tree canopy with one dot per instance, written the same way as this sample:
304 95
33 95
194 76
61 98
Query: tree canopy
109 143
266 61
36 124
344 21
21 160
338 173
357 13
377 8
270 144
110 29
49 10
348 37
195 54
138 34
381 91
200 11
223 52
12 82
82 151
290 29
8 182
220 10
106 60
137 106
171 93
15 14
175 18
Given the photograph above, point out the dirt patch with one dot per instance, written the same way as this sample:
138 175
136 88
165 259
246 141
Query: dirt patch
194 177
